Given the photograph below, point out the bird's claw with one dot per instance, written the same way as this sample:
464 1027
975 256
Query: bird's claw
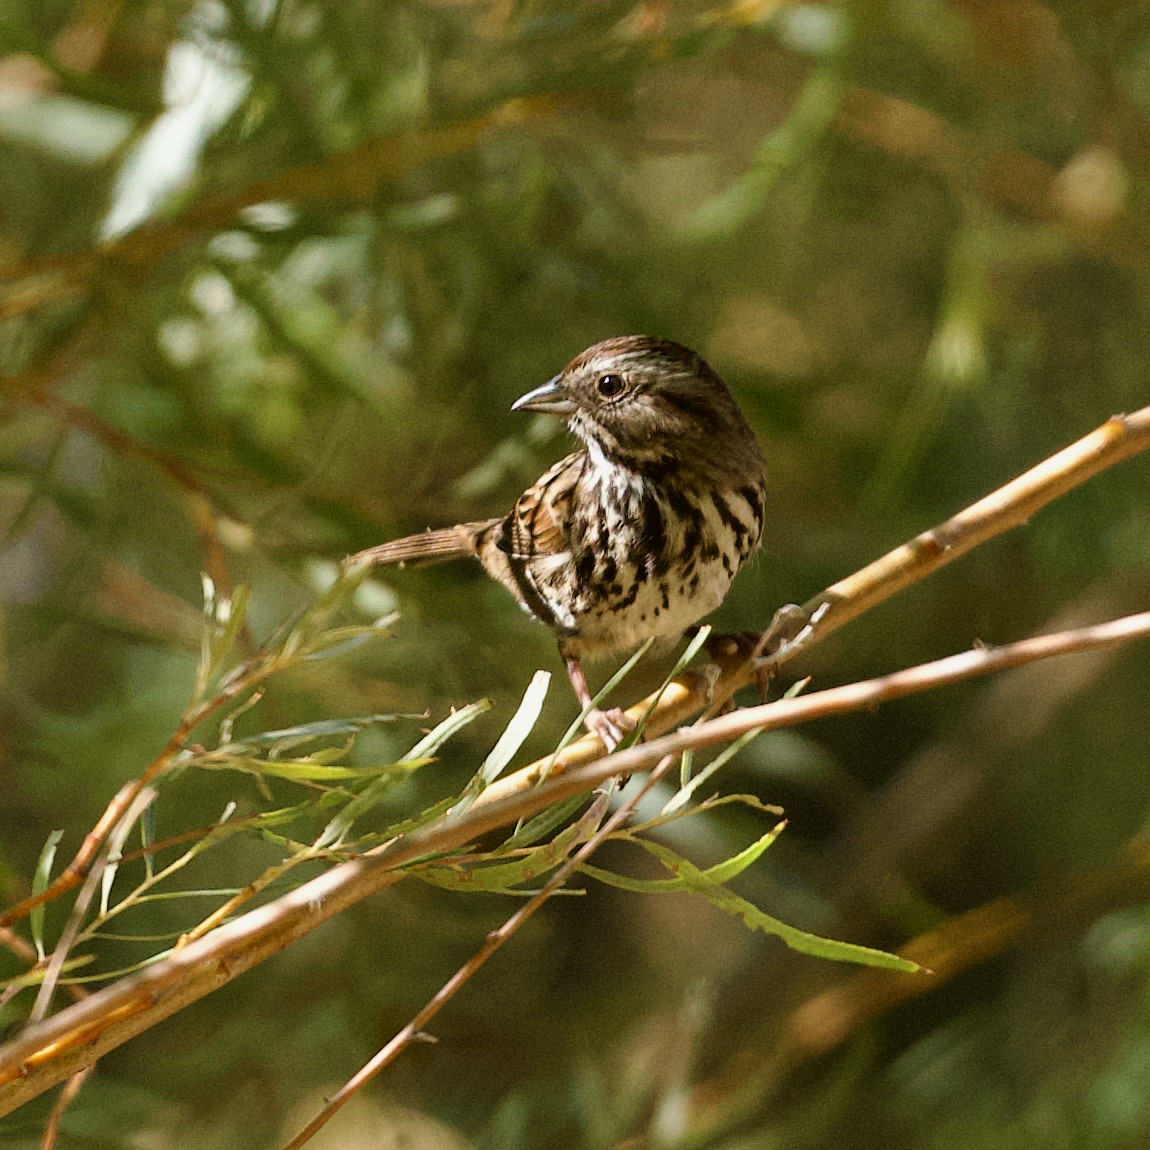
788 625
611 727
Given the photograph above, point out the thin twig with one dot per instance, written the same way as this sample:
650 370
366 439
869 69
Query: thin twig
415 1029
56 1048
68 1095
73 874
79 909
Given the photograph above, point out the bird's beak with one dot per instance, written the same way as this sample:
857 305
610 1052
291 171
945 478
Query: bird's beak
550 398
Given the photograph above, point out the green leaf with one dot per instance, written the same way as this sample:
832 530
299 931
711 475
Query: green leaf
373 794
719 873
516 732
545 822
36 976
308 770
683 795
454 723
148 838
502 877
508 744
800 940
339 640
223 622
322 728
691 650
40 882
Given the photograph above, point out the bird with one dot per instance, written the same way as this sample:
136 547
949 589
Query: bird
636 535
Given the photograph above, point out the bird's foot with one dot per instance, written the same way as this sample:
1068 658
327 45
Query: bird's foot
787 625
612 726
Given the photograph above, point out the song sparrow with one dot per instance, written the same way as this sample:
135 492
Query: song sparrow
637 535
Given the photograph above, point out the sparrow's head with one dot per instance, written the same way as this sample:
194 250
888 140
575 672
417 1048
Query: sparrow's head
650 405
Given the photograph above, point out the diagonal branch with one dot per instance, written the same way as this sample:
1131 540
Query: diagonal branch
54 1049
1010 506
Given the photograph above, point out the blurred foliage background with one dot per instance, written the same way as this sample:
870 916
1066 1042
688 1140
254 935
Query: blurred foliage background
272 273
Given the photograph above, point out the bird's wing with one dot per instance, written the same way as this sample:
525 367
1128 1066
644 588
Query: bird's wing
540 522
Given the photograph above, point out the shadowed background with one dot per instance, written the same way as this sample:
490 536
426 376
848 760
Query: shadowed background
273 274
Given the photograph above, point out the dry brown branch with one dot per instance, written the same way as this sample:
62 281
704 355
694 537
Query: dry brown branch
59 1046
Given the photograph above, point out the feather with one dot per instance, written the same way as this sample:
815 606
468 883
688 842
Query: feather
427 547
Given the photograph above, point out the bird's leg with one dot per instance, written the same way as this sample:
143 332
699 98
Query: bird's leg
611 726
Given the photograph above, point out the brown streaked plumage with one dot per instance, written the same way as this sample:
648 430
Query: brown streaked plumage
638 534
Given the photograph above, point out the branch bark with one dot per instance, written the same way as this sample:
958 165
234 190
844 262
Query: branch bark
54 1049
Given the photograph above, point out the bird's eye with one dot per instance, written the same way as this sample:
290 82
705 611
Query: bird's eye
610 385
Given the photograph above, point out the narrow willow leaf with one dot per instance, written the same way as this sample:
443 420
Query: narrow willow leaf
344 639
222 892
232 613
683 795
374 792
508 744
35 976
796 688
228 722
308 634
306 770
207 634
545 822
686 766
148 839
736 864
116 840
800 940
502 877
691 650
223 621
322 756
635 885
516 732
406 826
454 722
40 882
712 802
719 873
323 728
116 846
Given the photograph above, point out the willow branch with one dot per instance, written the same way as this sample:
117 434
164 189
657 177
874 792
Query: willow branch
56 1048
1010 506
52 1050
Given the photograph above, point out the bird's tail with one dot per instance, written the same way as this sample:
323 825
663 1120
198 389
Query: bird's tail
427 547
